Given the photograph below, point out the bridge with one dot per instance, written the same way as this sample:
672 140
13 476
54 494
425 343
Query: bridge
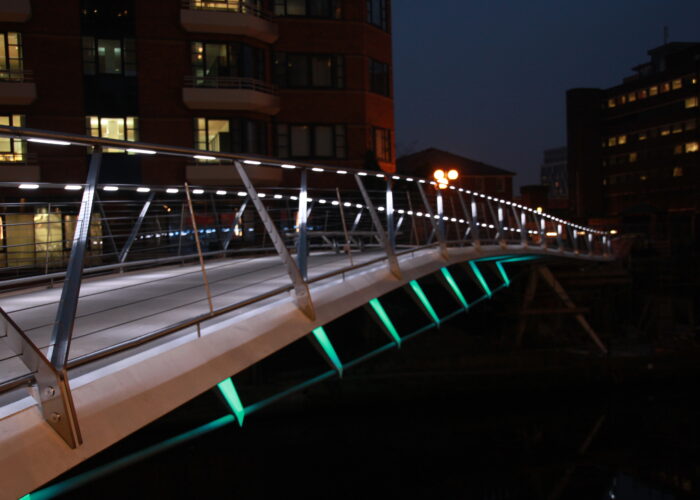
120 302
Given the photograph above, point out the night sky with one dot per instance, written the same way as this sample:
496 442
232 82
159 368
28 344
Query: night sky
487 79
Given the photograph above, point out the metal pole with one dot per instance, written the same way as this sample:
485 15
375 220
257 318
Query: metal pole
137 227
236 220
302 214
199 248
381 235
62 332
441 215
560 241
48 237
301 289
472 229
345 227
413 219
440 235
390 229
182 227
105 223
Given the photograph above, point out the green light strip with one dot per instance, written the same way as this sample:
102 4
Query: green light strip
506 279
384 318
480 277
325 343
453 284
424 300
231 396
74 482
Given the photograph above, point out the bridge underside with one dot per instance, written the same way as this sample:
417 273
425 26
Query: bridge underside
116 396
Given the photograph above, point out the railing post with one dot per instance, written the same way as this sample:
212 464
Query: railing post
348 250
391 255
472 230
436 228
236 218
560 242
540 222
199 248
440 209
589 243
302 242
390 229
62 331
521 221
573 232
301 289
135 230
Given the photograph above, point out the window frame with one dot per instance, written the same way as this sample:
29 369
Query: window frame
132 132
239 133
282 72
375 78
335 9
12 68
382 135
17 152
91 57
383 22
234 50
283 142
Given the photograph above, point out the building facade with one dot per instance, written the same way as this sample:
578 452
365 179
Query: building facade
553 173
308 80
633 149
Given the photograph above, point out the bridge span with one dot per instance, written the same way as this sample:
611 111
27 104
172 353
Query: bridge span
120 302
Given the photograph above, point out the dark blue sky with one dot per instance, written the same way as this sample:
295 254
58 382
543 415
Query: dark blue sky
487 78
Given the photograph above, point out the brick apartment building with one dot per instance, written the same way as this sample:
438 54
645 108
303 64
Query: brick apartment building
308 80
633 149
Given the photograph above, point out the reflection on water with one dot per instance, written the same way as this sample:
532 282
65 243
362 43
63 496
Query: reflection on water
428 437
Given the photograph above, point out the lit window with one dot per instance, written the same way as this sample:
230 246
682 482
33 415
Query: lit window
642 136
109 56
612 141
691 102
311 8
237 135
623 99
11 66
642 94
665 87
379 77
643 177
676 84
382 144
665 131
677 128
12 150
123 128
691 147
622 139
242 6
633 157
678 171
694 81
653 90
311 141
611 103
309 71
213 63
631 97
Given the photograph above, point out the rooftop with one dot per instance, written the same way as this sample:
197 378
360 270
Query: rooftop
424 161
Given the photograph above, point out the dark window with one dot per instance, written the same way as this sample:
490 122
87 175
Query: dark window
328 9
382 144
236 135
377 14
309 70
311 141
213 61
109 56
379 77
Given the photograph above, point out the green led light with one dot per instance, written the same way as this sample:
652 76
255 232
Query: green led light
453 284
28 496
424 300
231 396
506 279
325 343
384 318
480 277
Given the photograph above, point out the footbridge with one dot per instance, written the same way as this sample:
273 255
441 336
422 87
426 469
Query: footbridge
120 302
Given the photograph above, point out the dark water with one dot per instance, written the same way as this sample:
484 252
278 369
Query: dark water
427 437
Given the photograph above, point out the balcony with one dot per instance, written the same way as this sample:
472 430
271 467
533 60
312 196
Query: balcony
19 167
230 93
16 88
224 174
229 17
15 11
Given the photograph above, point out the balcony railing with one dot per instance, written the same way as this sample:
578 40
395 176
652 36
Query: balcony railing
227 6
230 82
13 75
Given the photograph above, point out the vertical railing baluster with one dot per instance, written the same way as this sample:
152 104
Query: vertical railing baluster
436 228
199 248
389 209
302 215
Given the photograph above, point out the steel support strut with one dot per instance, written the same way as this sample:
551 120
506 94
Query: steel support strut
135 230
381 234
301 289
68 304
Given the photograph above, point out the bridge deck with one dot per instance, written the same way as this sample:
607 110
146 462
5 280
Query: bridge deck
118 308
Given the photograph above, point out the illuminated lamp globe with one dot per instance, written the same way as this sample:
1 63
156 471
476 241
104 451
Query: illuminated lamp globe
439 174
452 174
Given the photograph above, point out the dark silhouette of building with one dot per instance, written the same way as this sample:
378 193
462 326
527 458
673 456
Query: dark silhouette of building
473 174
633 149
298 79
553 173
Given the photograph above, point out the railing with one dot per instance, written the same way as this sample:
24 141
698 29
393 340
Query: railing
290 236
230 82
14 75
241 7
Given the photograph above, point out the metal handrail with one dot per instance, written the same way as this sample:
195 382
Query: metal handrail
237 6
230 82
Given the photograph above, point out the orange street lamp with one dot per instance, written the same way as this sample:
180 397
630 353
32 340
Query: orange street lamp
443 178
